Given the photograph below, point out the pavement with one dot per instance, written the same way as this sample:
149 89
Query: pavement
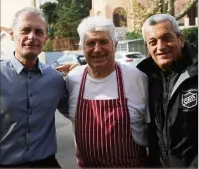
65 140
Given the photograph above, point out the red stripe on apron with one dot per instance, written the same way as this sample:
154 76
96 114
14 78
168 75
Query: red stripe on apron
103 131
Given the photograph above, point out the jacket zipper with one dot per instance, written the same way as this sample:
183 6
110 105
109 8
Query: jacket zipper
167 80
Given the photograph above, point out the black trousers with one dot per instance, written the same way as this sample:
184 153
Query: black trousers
49 162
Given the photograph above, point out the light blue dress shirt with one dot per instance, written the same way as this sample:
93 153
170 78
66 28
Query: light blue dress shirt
29 99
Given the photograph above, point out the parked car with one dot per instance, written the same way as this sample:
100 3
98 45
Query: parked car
132 58
70 58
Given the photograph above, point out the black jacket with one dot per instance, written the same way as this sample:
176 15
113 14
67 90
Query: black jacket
173 104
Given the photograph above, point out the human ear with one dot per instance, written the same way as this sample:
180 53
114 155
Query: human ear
181 40
11 34
47 37
116 44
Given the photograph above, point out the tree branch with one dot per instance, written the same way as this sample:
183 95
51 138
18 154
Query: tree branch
186 9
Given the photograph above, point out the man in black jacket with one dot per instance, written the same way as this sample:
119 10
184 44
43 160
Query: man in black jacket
172 70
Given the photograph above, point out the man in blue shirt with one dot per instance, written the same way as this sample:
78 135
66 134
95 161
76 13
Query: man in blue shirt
30 93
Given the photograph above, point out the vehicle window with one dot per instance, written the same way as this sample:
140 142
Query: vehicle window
81 59
136 55
67 58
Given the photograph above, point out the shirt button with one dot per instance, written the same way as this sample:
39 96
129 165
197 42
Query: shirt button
30 77
30 94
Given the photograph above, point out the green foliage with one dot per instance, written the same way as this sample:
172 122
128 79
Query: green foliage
68 20
48 47
65 16
191 35
50 11
83 6
134 35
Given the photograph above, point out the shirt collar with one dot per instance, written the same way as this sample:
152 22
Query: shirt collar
18 66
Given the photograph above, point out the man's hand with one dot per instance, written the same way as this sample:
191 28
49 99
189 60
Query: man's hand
66 67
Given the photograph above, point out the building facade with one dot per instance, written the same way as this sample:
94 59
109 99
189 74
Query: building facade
116 10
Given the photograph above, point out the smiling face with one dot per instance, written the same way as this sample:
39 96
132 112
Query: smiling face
164 45
99 50
29 35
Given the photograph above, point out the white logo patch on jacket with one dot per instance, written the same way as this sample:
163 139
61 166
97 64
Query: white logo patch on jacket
189 99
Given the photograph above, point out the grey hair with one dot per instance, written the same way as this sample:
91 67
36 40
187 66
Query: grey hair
28 10
96 23
158 18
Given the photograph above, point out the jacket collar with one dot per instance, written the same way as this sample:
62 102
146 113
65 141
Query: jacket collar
189 62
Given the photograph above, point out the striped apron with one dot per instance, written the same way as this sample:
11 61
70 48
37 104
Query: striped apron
103 131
